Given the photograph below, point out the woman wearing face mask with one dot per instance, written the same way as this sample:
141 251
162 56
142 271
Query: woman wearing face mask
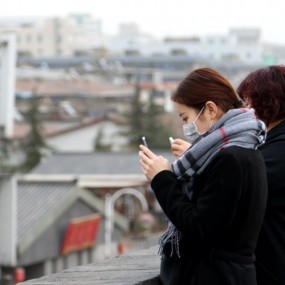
214 194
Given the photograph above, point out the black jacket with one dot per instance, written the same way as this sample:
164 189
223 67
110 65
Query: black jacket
270 251
220 225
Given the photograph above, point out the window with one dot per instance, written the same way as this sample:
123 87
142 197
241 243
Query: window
178 52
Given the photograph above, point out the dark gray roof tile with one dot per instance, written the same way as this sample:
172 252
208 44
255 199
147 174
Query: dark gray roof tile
37 199
94 163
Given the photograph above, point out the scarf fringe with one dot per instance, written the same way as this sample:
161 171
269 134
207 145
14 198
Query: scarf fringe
172 236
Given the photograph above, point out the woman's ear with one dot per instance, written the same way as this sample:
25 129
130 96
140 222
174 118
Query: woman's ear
212 110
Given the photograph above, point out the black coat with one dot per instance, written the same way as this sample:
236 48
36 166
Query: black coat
270 251
220 225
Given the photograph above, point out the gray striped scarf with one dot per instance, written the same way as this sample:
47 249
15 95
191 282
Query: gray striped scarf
237 127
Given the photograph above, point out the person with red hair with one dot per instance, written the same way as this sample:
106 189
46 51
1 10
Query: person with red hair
264 91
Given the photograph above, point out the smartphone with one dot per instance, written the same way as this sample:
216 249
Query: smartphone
144 141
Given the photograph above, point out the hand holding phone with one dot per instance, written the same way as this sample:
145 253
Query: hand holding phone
150 162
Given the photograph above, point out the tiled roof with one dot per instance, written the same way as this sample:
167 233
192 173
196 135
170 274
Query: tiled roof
37 199
74 87
93 163
51 129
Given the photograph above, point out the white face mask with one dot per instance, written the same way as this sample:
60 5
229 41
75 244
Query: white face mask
191 131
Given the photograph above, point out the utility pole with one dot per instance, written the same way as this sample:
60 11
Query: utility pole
7 83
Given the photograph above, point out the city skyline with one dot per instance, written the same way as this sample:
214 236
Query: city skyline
168 17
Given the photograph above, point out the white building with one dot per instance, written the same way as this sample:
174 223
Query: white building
66 36
130 40
239 45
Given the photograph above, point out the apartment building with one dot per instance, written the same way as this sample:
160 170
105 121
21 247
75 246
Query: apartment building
239 45
65 36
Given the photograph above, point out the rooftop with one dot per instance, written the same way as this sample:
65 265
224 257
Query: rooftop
44 198
95 163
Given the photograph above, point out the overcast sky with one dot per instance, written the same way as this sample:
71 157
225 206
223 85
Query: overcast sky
166 17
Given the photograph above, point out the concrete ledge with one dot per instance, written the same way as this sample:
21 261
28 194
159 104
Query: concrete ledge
138 268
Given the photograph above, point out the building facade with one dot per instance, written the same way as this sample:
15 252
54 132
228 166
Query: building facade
239 45
66 36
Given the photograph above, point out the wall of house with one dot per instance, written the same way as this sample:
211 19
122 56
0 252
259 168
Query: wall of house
82 140
34 270
8 220
60 263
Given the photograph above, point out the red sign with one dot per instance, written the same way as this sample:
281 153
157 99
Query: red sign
81 233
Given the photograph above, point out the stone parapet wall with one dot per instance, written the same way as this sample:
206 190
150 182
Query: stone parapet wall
137 268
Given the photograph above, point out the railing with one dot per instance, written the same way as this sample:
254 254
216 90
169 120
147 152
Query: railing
137 268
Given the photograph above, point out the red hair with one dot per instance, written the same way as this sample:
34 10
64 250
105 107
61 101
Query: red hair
265 88
206 84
